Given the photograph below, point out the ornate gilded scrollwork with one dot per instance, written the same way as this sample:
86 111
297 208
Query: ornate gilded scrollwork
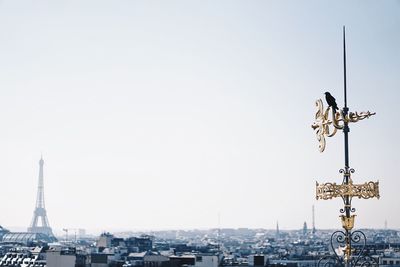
322 124
354 116
327 127
331 190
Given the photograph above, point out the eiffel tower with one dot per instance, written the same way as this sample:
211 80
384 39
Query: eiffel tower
40 210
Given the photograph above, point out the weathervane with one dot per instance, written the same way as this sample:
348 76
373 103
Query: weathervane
348 246
326 126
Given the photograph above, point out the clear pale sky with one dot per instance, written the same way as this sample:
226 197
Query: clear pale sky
162 114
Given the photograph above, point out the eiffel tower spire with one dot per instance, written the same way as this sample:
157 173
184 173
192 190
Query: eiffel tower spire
39 213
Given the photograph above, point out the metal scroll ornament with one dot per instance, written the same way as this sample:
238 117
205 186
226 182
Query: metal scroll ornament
348 189
345 251
328 121
332 190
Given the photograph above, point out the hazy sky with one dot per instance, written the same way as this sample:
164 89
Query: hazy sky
162 114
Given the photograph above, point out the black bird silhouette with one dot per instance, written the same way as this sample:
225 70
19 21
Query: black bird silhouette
331 101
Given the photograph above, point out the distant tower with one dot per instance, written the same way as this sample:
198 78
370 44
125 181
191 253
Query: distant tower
40 210
277 229
313 220
386 225
305 229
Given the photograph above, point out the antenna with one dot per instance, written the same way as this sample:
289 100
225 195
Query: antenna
219 232
313 220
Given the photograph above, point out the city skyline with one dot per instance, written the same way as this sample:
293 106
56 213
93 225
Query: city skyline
166 115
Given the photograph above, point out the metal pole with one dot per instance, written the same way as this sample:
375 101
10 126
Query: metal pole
346 130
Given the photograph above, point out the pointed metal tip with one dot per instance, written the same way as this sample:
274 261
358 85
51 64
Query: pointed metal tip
41 161
344 66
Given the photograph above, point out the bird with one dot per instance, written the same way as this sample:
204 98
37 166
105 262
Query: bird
331 101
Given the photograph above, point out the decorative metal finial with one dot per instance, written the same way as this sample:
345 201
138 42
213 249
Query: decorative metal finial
327 122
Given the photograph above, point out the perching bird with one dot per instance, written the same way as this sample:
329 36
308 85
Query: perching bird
331 101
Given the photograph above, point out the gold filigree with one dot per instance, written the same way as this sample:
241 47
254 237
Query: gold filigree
331 190
327 127
355 116
322 124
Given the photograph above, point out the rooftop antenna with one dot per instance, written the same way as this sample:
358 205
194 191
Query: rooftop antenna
313 220
219 232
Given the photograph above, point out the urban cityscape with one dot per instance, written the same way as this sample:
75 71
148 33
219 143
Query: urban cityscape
38 246
136 125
